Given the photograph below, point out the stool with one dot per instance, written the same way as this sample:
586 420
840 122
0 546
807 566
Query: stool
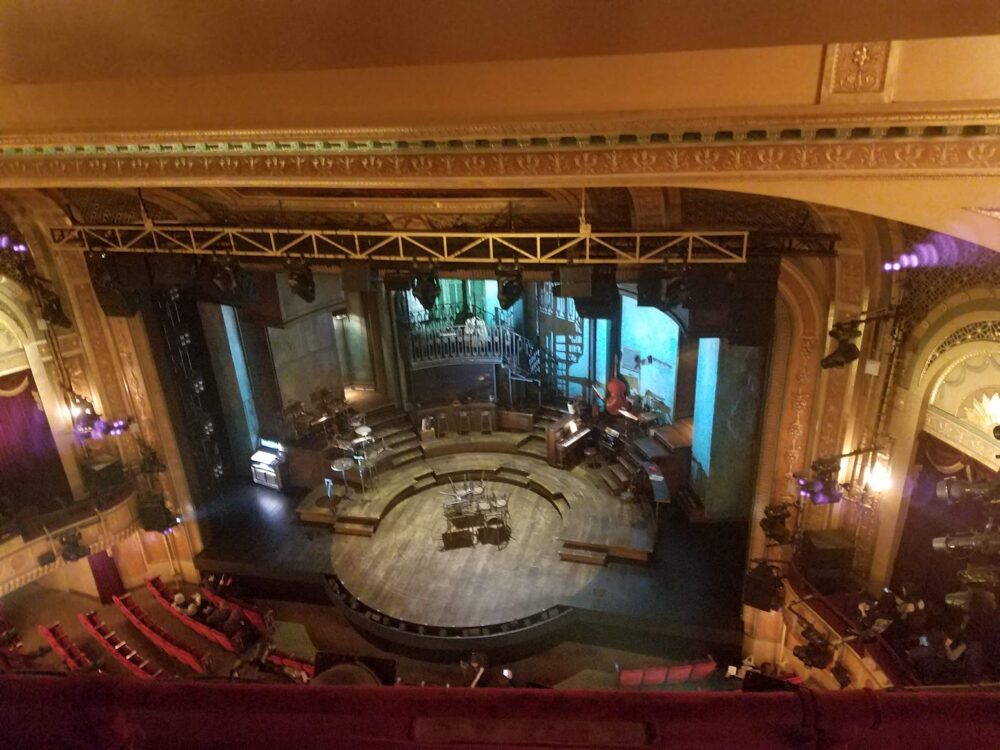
592 458
463 423
486 421
441 424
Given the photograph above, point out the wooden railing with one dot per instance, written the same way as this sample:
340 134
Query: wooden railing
496 344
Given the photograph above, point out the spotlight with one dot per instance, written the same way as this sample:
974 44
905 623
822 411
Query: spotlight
426 289
301 281
223 277
953 490
52 309
816 652
985 543
820 490
510 286
84 415
763 587
846 351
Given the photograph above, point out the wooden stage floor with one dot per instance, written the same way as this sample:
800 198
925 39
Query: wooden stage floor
689 588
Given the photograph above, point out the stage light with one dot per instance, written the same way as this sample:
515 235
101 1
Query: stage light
985 543
223 277
817 651
819 490
426 289
952 490
52 309
301 281
84 414
510 286
846 351
763 587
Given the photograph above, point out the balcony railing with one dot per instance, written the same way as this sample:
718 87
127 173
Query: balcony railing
455 345
23 560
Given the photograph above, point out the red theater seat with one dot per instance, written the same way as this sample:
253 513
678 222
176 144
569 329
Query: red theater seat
679 673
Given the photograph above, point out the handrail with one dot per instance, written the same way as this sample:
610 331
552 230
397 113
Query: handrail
19 564
497 344
885 657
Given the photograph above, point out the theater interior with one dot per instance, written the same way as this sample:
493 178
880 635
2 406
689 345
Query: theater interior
515 374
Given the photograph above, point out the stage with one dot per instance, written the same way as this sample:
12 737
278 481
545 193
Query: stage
402 569
668 580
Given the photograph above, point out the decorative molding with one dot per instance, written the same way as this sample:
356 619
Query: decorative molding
983 330
859 72
957 434
964 156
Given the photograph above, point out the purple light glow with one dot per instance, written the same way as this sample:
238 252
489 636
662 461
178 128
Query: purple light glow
4 241
896 266
887 266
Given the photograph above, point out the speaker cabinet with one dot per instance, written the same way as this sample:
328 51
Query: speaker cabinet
763 589
825 558
356 277
117 292
576 281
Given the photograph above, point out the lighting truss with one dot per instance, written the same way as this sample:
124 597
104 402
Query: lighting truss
443 248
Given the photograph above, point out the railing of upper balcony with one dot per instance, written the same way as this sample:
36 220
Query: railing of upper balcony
432 347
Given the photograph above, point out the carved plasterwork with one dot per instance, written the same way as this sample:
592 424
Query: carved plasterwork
983 330
965 156
859 71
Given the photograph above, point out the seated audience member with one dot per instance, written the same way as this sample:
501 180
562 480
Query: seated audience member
178 602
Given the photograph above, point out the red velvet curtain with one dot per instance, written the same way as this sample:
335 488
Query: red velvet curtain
31 476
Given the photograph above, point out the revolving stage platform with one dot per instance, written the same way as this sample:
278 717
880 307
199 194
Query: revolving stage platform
393 576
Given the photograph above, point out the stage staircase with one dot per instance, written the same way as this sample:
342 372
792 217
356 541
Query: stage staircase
618 473
583 553
392 425
534 444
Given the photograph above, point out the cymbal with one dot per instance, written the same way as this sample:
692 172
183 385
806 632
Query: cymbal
342 464
364 430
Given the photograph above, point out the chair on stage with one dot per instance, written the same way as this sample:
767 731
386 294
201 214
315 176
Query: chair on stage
464 424
441 424
486 421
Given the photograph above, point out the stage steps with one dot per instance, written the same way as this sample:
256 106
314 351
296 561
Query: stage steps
611 478
408 456
533 445
573 553
403 443
355 525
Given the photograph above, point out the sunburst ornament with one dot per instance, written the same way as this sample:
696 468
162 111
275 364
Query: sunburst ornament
984 412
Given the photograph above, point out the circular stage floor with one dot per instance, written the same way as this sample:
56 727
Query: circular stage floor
404 571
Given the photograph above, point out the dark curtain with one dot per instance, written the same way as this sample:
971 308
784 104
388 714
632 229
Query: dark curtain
31 476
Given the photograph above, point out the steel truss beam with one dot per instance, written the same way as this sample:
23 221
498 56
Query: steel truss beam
445 248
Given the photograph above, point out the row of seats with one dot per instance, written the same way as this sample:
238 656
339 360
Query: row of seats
160 637
74 657
675 674
254 616
160 593
282 659
128 657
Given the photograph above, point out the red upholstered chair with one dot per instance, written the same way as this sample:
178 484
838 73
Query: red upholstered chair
703 669
655 676
679 673
630 678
